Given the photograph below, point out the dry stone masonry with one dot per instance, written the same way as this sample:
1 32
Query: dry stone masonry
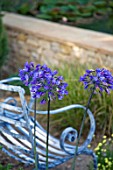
45 42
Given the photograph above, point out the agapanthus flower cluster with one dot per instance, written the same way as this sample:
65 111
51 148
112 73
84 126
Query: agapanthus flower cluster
43 82
100 78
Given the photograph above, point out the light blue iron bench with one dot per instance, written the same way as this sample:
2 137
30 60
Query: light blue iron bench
16 132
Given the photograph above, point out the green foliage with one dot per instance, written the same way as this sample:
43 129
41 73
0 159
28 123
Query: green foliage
22 6
100 3
7 167
104 153
82 2
20 168
103 25
3 44
101 106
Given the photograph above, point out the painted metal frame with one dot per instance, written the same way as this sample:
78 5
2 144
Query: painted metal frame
17 133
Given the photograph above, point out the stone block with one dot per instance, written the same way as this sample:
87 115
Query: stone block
55 46
22 37
32 42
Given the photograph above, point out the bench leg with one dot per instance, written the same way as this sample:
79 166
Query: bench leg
94 160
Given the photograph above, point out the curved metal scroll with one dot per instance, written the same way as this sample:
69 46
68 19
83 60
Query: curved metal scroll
73 135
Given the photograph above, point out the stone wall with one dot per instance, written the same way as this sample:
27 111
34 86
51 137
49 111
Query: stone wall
52 44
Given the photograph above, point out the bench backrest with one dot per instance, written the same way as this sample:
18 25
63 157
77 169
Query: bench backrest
10 107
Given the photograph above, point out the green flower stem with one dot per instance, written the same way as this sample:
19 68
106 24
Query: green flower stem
47 139
81 128
35 153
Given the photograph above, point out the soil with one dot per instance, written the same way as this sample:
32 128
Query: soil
82 163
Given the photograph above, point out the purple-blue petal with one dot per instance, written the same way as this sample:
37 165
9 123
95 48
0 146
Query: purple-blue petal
43 101
43 81
100 78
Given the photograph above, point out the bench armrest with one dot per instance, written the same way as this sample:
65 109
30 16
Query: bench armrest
63 109
9 80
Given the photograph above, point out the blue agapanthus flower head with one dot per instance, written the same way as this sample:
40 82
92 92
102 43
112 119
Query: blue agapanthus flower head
100 78
26 73
43 82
